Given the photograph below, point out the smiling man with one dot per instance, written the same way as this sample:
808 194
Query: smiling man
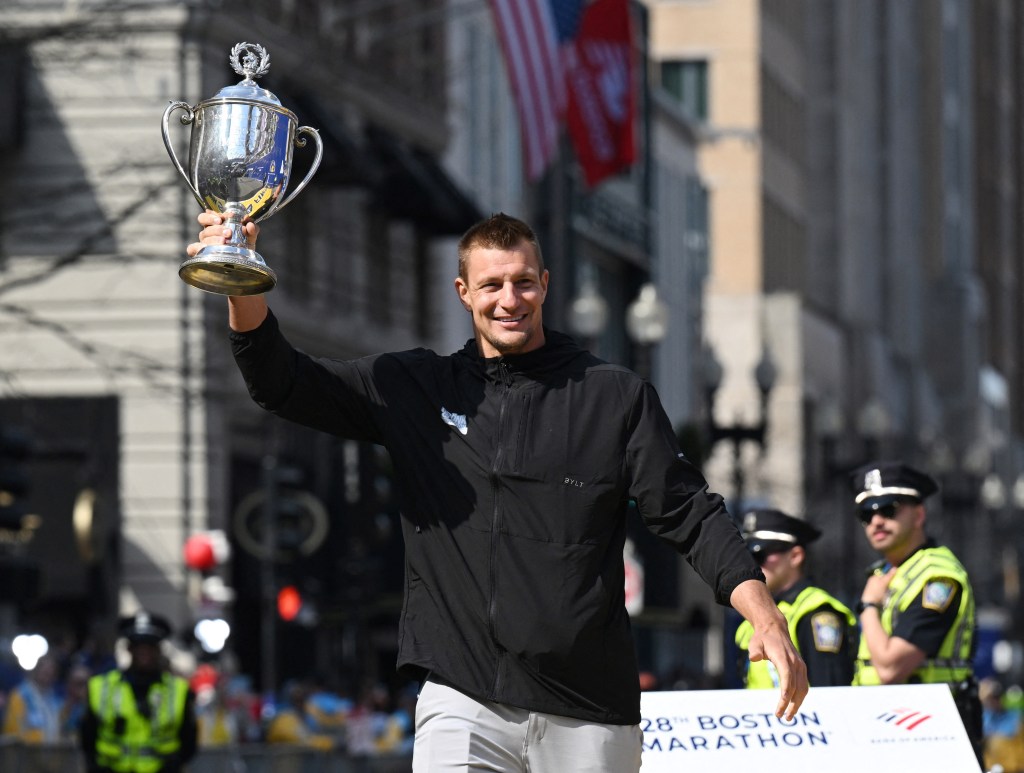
516 459
504 290
916 611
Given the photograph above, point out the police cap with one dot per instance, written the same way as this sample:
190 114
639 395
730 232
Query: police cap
768 531
878 484
144 627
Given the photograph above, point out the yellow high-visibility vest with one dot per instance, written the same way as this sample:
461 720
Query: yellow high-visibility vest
761 675
952 664
126 740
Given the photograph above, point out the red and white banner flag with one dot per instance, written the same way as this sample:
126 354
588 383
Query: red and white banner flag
602 93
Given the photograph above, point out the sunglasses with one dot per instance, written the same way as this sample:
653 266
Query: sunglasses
886 511
761 556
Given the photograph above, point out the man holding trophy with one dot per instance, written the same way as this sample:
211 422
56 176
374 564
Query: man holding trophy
514 611
515 460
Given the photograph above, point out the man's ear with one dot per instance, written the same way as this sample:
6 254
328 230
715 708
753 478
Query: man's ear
920 516
463 291
798 556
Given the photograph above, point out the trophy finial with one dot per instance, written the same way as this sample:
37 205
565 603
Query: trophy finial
250 60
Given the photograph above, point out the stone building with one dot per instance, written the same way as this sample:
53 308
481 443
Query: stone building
142 434
862 183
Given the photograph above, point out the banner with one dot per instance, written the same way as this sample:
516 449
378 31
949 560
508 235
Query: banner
602 90
838 729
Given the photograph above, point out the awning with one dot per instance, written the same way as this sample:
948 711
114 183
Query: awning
345 161
415 186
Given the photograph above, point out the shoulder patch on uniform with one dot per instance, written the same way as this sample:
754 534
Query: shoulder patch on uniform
938 593
827 629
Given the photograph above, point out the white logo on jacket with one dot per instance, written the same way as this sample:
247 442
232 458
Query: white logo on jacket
456 420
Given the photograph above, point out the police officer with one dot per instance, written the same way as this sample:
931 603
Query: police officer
141 719
822 628
917 608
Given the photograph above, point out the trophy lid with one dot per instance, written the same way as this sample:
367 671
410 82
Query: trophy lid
252 61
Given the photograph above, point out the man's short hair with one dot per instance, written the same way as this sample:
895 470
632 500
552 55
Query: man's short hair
498 232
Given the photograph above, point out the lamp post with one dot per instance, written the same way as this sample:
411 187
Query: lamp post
588 312
647 317
841 452
646 325
873 425
992 494
737 433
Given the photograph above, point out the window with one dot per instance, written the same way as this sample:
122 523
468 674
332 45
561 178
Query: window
687 82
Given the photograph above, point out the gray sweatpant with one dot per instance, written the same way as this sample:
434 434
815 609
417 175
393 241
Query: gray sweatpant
456 733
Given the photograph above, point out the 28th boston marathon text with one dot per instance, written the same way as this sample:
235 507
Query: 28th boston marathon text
731 731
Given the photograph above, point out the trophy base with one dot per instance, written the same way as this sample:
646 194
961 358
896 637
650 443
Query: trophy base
227 270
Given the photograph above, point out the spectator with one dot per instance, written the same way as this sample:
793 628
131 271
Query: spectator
76 701
34 706
328 712
1001 723
217 722
291 723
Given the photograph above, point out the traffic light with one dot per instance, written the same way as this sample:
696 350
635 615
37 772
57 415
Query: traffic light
15 449
289 603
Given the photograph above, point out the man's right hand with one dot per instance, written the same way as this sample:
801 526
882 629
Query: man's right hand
245 312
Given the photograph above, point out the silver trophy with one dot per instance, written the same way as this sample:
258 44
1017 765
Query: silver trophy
239 161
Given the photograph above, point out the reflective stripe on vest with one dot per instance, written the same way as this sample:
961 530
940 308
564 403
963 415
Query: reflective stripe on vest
136 744
952 663
762 675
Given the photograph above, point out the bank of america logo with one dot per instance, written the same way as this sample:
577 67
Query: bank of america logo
456 420
908 719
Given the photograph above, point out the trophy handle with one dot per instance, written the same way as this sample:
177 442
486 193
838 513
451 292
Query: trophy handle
301 143
186 119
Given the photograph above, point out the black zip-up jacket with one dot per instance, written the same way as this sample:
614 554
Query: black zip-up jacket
515 475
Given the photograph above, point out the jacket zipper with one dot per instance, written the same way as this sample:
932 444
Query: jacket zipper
505 377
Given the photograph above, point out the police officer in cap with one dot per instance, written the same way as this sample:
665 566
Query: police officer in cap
822 628
141 719
917 608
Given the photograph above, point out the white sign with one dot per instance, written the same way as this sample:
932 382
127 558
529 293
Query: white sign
838 729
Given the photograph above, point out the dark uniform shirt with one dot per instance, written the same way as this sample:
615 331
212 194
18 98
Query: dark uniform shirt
826 642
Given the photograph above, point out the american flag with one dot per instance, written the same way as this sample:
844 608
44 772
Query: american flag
532 34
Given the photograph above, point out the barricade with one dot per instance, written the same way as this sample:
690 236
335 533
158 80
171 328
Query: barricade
17 757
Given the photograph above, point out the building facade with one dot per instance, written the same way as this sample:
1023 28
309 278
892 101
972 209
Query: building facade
142 434
861 177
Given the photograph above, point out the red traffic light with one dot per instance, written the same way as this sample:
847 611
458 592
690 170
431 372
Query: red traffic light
289 602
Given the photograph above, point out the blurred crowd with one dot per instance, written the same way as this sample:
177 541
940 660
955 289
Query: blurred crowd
307 712
44 705
1003 718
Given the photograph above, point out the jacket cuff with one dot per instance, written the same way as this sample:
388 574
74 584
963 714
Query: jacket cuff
244 341
730 581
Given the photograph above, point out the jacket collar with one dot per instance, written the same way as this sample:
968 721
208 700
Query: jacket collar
558 350
789 595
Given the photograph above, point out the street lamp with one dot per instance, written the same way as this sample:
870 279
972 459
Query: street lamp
646 325
647 317
736 433
588 313
873 425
